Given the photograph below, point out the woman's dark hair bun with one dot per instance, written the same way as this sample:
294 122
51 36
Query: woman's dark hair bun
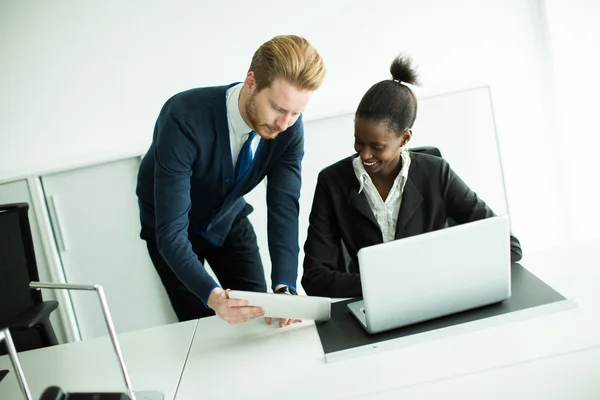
403 71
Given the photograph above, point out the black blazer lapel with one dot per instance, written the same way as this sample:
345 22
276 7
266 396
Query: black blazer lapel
360 203
411 201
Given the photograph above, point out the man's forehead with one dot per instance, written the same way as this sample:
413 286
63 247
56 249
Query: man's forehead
287 96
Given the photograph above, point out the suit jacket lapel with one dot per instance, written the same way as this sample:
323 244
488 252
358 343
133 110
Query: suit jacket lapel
411 201
222 134
360 203
261 155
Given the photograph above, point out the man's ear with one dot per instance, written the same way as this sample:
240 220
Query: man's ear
406 136
250 82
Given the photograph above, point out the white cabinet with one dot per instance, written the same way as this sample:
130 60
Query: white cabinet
95 218
18 192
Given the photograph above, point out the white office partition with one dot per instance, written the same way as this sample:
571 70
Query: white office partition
95 218
461 124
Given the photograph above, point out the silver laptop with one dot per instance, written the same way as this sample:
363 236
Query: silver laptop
434 274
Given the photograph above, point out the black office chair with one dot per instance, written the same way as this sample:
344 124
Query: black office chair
21 309
434 151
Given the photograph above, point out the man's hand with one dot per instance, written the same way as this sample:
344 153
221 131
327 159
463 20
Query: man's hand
283 321
232 310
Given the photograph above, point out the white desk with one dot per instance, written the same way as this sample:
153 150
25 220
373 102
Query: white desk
548 357
154 358
570 376
253 360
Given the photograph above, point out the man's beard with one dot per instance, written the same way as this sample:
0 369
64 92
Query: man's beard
262 130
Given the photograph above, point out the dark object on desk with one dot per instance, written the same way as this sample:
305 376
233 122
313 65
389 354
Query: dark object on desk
3 373
344 332
56 393
21 309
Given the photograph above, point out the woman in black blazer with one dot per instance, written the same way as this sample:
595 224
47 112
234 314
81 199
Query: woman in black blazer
382 193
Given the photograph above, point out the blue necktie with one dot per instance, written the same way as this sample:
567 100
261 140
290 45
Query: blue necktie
244 160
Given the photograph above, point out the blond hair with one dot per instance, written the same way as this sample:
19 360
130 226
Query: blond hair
291 58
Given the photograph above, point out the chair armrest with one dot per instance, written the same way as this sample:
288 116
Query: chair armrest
34 315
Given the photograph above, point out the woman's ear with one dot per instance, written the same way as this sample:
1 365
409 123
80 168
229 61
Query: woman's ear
406 136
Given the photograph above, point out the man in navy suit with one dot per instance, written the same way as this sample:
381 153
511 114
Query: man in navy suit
211 146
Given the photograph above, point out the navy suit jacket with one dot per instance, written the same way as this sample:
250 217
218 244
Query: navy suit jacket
186 186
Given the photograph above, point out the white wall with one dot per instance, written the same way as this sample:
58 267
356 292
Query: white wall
85 79
574 34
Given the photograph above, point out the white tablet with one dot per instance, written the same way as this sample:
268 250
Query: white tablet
309 308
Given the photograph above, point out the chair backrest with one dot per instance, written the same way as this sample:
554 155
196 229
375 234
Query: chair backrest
17 262
434 151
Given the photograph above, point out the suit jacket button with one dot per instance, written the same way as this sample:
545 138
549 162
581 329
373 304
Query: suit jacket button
227 180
